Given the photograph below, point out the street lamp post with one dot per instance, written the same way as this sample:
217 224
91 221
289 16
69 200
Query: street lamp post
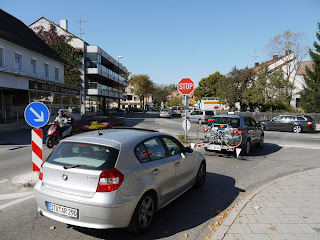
119 81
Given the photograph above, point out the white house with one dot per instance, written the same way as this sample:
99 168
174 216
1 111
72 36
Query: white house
29 70
133 101
292 68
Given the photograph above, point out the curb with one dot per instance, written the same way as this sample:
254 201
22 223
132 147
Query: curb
224 227
26 180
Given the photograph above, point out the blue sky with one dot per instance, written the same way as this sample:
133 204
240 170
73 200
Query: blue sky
173 39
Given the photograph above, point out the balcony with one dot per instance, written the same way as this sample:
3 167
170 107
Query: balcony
105 57
97 89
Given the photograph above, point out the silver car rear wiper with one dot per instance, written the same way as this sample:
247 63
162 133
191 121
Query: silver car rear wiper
75 166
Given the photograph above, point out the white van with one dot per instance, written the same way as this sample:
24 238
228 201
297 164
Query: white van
176 110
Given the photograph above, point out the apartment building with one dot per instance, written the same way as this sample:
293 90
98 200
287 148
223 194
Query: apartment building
102 75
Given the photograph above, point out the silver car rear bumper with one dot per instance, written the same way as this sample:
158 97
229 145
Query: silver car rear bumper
92 212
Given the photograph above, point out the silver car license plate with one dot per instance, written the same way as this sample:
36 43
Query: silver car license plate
66 211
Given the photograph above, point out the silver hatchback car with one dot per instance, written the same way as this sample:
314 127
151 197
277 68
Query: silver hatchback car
116 178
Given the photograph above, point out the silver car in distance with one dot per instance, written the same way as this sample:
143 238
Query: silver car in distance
116 178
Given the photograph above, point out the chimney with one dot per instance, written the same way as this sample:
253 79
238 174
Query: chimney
275 57
64 24
256 64
288 52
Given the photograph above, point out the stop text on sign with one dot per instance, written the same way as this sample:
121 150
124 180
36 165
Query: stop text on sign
185 86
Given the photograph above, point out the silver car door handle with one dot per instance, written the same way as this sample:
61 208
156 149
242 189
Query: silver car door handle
178 164
156 171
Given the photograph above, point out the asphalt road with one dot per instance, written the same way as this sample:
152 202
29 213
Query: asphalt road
228 177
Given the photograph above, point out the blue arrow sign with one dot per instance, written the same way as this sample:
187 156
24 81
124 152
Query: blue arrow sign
36 114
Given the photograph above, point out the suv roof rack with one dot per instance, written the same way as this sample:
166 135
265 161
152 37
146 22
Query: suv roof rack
138 129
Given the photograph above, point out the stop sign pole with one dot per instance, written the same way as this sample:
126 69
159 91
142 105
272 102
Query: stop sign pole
185 87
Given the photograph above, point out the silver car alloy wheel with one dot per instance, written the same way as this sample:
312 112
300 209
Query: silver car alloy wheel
146 212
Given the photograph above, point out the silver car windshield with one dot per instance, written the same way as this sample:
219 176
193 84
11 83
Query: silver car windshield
84 156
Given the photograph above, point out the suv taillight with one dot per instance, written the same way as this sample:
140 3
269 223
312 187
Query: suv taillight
110 180
241 131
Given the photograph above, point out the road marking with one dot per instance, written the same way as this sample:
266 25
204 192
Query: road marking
14 195
4 180
297 146
306 137
15 202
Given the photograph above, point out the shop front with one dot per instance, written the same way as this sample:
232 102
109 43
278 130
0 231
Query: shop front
56 96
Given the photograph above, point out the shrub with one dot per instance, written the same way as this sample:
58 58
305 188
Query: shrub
96 127
118 122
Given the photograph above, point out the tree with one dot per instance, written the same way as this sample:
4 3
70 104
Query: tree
292 48
268 91
160 93
172 87
72 56
310 97
141 85
175 101
232 88
208 86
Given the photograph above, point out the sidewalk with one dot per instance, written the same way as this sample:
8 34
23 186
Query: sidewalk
286 208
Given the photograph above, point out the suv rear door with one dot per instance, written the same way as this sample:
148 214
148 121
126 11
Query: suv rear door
251 129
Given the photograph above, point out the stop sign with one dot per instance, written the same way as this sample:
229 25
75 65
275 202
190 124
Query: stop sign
185 86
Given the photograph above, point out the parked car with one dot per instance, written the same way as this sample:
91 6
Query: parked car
165 113
251 132
176 110
200 116
117 178
295 123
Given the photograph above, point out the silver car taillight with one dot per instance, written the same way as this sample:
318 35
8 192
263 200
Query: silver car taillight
110 180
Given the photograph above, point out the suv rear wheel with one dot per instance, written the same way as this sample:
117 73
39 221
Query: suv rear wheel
247 148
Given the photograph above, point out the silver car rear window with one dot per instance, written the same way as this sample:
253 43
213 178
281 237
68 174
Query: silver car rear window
87 156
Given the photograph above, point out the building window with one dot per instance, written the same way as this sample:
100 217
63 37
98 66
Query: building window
18 61
297 102
34 66
46 70
1 57
56 73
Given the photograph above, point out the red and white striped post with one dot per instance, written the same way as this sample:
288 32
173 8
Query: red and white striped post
36 138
